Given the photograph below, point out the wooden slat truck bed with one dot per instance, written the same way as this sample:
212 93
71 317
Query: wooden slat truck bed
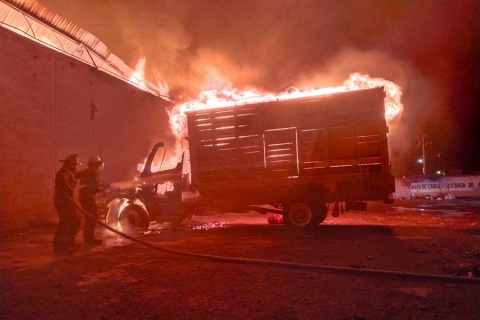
294 141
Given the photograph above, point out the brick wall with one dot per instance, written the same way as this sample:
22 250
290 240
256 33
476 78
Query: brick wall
45 100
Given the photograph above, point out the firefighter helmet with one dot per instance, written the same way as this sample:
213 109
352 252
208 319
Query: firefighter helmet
95 160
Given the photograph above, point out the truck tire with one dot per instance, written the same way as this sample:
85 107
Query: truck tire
133 217
112 209
300 215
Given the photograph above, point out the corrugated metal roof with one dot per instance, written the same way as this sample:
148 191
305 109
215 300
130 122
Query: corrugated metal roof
32 19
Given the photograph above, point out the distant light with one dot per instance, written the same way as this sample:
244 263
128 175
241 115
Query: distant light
439 172
420 160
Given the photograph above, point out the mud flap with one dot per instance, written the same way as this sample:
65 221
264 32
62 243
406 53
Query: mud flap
335 212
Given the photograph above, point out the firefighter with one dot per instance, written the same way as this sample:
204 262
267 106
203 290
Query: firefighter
69 218
90 185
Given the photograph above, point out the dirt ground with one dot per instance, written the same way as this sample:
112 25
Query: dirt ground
121 279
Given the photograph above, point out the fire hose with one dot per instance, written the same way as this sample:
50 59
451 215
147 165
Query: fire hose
313 267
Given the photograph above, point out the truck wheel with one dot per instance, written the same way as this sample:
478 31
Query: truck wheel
113 208
133 217
299 214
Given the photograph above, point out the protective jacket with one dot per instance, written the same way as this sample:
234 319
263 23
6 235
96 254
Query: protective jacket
65 183
89 184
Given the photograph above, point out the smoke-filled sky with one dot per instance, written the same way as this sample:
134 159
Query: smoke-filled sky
430 48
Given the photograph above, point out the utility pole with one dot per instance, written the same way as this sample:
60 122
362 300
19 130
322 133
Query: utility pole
424 168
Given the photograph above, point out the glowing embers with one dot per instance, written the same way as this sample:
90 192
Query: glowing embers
198 225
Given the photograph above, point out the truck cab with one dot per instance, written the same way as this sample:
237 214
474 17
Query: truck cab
162 196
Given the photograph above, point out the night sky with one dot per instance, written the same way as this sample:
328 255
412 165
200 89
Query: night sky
429 48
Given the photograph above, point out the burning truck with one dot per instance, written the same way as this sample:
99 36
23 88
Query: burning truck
293 157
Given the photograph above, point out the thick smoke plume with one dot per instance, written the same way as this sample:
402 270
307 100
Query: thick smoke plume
429 48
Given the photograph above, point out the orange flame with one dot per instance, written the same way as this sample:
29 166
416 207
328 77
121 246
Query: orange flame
138 79
231 97
162 85
138 75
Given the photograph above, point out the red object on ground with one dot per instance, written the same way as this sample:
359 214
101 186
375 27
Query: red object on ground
275 220
272 220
